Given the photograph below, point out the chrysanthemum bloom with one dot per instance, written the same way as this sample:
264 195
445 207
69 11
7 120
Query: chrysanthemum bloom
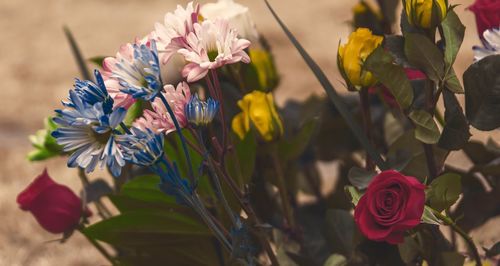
425 14
258 110
352 55
176 25
201 112
133 73
56 208
158 119
211 45
238 16
143 148
491 44
88 131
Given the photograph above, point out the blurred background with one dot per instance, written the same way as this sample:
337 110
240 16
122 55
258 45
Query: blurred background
37 69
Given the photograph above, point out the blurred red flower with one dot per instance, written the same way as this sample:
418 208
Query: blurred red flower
56 207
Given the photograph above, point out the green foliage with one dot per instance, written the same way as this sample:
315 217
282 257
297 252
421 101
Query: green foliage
292 147
133 112
453 31
428 216
426 129
425 55
456 130
360 178
482 93
380 63
336 260
354 193
444 191
45 145
97 60
243 164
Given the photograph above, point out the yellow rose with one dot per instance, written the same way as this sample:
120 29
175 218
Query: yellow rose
258 109
425 14
352 55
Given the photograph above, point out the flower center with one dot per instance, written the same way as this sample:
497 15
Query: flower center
212 54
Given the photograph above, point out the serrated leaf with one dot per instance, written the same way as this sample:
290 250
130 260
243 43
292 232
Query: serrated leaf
380 63
482 93
426 129
354 193
428 217
444 191
456 130
453 31
425 55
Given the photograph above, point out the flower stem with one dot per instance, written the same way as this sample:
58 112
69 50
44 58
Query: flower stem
181 136
367 121
100 248
470 243
287 208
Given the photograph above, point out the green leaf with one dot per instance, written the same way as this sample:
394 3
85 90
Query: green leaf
408 250
45 145
360 178
456 130
482 93
380 63
336 260
444 191
453 31
493 251
293 147
136 228
97 60
428 217
425 55
133 112
354 193
244 164
426 129
332 94
452 83
79 58
146 188
478 153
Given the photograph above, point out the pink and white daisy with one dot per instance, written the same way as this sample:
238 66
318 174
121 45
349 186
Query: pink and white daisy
211 45
158 120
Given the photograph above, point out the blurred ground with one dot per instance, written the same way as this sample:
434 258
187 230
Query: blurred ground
37 69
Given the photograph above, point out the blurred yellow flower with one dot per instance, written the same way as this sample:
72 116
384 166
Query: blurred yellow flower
425 14
258 109
352 55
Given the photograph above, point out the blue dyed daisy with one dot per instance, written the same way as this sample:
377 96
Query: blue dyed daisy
201 113
92 93
140 77
144 148
88 131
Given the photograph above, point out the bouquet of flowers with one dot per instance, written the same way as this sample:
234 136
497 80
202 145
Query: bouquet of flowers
207 170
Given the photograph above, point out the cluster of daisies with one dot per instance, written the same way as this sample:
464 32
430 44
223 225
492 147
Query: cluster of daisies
158 69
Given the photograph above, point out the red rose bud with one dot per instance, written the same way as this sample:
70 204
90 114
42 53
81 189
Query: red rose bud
487 14
392 204
56 208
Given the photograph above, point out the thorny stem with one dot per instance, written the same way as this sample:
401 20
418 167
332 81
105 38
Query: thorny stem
181 136
367 121
470 243
285 201
99 247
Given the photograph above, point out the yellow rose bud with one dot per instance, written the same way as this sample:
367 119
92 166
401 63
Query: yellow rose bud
259 111
425 14
353 54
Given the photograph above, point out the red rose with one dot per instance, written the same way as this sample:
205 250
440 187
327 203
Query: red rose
487 14
392 204
56 208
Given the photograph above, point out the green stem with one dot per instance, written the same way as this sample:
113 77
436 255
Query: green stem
287 208
100 248
470 243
